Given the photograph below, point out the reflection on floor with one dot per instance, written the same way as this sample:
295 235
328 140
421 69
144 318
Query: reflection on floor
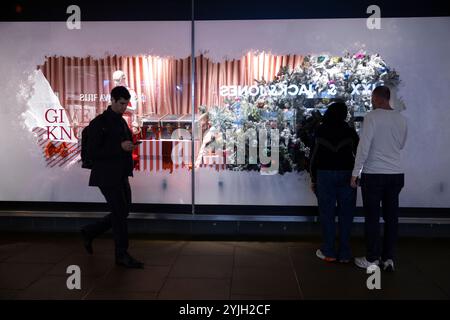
34 267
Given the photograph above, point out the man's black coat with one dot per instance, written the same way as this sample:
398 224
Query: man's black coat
111 164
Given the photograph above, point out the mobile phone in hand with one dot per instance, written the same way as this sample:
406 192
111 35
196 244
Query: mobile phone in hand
137 142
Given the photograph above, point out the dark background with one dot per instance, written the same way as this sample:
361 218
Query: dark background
139 10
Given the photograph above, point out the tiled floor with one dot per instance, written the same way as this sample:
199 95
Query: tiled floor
33 266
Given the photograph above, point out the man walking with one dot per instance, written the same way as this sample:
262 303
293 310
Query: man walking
110 146
382 178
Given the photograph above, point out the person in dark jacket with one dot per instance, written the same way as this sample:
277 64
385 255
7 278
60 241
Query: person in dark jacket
332 162
110 149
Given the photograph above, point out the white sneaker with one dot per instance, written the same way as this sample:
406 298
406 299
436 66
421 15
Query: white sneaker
388 265
321 256
363 263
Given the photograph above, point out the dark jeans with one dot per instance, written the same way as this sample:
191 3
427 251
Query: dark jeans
333 187
119 202
385 189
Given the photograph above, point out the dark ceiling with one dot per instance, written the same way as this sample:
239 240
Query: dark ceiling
138 10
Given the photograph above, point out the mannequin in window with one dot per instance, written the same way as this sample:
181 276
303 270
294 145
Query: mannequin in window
120 79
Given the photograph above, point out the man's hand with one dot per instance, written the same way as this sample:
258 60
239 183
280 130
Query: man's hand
353 182
313 187
127 146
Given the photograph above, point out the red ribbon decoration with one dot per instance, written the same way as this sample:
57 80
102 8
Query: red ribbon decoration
51 150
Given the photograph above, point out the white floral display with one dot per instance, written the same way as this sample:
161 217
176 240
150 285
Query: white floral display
349 78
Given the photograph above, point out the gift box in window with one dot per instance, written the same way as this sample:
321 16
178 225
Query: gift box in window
163 148
170 123
151 127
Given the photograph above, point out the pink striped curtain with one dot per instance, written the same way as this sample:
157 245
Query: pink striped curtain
163 85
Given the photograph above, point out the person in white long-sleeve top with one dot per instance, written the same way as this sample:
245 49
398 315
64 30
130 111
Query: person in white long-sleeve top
378 161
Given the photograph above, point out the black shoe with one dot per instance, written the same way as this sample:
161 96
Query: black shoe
128 261
87 241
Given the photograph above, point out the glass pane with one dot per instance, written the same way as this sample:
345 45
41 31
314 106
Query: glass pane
282 75
61 78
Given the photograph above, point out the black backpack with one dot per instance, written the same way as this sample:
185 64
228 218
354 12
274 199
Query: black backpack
86 161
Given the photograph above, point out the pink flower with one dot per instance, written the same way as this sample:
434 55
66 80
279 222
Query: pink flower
359 55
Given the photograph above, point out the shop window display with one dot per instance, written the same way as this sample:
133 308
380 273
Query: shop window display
282 94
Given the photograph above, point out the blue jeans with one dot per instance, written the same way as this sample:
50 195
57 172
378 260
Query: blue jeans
333 187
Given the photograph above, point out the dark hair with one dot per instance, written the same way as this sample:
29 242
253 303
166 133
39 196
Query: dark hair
120 92
382 92
336 113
